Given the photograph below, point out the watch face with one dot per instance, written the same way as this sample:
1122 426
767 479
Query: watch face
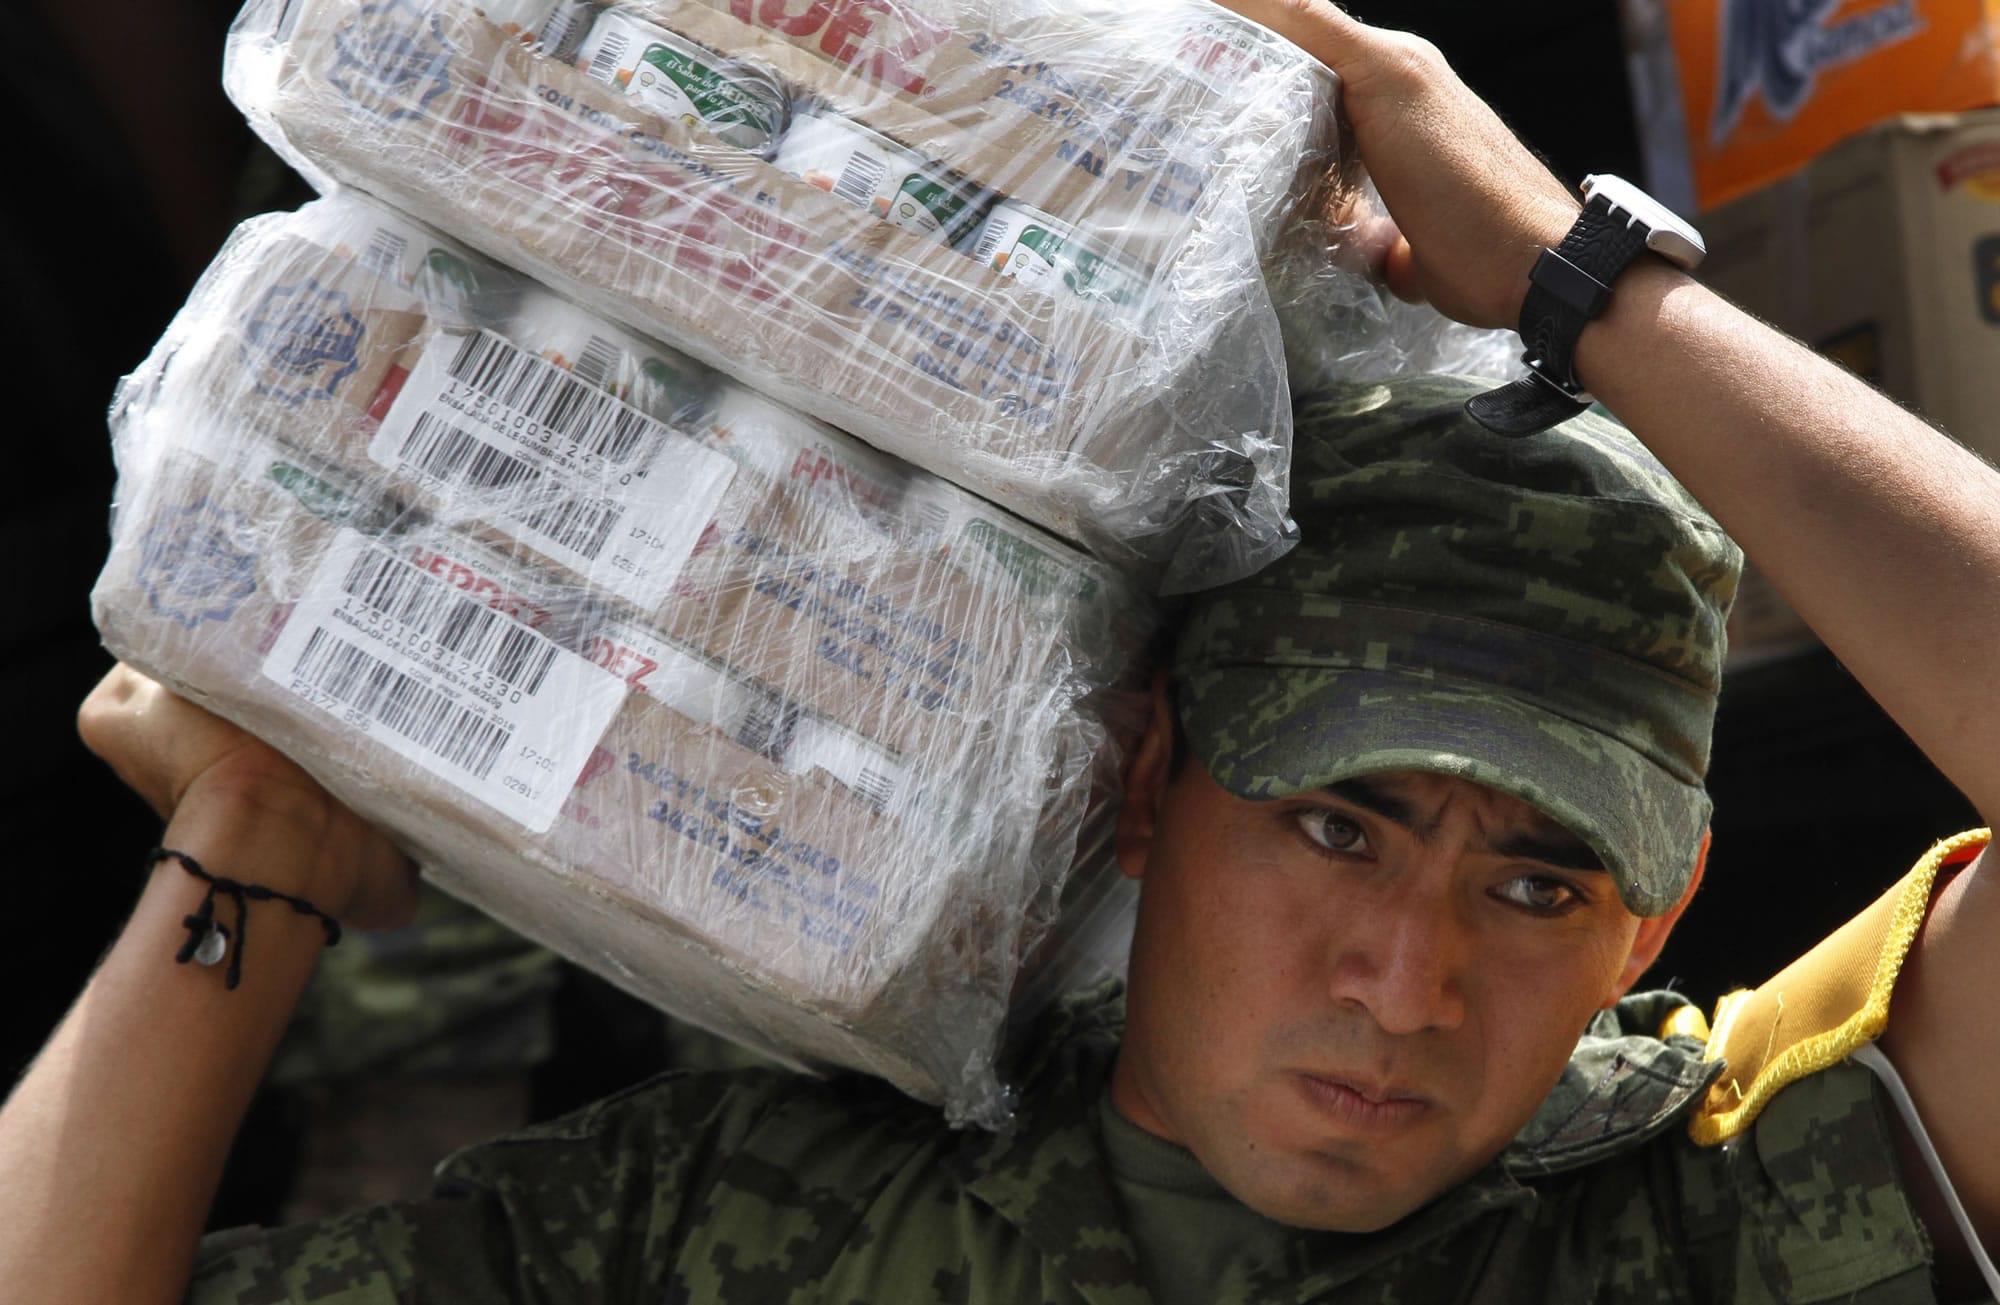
1667 234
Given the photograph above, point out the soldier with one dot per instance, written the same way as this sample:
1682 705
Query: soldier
1417 806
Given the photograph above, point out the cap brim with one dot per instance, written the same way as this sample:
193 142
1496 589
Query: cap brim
1273 731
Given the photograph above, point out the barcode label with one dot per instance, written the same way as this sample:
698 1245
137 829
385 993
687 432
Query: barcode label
456 456
765 724
459 736
442 680
487 638
989 242
566 404
581 524
925 510
598 364
610 52
384 255
564 26
508 437
860 178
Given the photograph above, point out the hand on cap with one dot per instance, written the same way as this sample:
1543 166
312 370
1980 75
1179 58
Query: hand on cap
231 799
1474 205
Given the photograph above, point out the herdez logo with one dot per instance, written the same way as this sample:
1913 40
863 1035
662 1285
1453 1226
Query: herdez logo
1779 48
303 342
192 565
395 52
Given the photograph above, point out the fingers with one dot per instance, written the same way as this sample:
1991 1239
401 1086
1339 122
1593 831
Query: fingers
1321 29
113 723
158 742
1372 59
222 792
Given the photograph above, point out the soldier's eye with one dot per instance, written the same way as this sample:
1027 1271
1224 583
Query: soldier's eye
1332 831
1540 894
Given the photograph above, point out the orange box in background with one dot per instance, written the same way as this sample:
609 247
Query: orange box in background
1732 94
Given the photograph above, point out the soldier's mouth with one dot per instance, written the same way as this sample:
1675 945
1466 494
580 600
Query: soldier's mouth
1363 1105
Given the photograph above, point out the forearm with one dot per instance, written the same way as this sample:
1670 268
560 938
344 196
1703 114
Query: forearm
113 1143
1883 533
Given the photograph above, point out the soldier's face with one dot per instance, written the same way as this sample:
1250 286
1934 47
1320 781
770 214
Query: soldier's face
1345 1003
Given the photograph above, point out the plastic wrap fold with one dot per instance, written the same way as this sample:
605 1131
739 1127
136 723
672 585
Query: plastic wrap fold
781 734
1017 242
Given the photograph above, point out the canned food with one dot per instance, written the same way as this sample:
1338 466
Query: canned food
565 27
677 78
790 448
864 167
520 19
1027 244
659 382
456 287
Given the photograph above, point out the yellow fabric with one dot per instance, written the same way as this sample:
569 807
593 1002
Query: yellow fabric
1686 1022
1818 1009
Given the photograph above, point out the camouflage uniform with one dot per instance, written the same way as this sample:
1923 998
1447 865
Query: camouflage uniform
766 1187
1542 616
453 992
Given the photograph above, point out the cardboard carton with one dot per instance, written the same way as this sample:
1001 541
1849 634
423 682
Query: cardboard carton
1732 94
1104 425
818 790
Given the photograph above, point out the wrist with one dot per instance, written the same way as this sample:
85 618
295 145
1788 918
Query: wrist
1544 230
1619 234
283 838
1632 318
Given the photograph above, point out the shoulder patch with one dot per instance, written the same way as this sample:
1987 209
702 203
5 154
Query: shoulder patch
1822 1007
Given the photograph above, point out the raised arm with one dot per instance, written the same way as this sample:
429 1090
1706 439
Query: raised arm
1882 532
112 1144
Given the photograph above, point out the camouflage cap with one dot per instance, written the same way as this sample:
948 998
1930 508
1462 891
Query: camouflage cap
1542 616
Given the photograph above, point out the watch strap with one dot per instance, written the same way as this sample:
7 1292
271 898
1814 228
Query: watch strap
1569 286
1601 244
1524 407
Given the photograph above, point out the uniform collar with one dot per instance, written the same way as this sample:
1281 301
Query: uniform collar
1623 1087
1048 1176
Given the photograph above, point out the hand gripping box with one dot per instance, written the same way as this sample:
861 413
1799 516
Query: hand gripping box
1017 245
786 737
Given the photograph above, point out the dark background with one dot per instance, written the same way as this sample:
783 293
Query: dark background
131 167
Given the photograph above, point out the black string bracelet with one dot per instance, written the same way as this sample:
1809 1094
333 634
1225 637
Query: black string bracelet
201 925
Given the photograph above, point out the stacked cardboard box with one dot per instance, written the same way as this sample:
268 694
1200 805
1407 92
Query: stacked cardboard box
787 737
1152 423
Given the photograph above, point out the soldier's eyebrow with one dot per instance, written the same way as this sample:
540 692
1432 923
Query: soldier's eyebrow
1374 798
1564 851
1554 846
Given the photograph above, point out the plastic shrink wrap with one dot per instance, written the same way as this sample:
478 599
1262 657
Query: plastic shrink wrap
1015 242
780 734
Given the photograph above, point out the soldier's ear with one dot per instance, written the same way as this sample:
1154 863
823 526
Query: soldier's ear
1653 931
1147 775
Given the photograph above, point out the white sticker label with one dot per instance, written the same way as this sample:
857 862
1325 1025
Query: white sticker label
748 712
444 681
733 705
557 463
868 768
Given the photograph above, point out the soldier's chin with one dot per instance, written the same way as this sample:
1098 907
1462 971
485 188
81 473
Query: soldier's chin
1330 1194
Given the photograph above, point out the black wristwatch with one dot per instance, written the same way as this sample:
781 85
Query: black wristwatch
1571 284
